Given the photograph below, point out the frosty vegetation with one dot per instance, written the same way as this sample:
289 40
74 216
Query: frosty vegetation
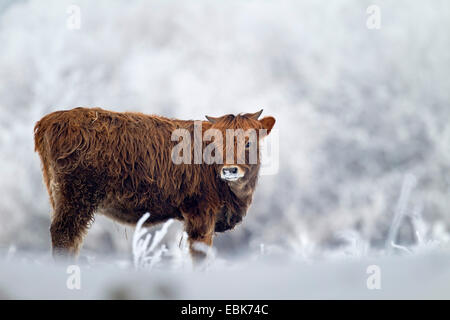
145 253
363 117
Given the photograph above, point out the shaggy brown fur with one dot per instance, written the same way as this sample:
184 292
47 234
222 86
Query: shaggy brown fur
119 165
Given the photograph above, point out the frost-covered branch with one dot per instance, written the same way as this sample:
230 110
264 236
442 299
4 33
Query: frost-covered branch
147 254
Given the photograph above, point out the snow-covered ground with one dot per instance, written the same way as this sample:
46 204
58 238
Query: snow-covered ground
159 270
422 276
364 125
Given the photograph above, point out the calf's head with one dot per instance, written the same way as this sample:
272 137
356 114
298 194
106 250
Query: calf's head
239 144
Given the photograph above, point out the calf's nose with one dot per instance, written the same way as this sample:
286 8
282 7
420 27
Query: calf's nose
230 170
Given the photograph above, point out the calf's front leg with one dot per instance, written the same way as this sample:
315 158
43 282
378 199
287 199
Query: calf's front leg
200 229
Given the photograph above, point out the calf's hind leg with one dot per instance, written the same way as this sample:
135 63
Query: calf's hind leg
70 223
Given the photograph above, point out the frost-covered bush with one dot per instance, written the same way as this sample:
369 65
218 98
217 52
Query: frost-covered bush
147 254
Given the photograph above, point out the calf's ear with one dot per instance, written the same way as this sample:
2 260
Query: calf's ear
267 123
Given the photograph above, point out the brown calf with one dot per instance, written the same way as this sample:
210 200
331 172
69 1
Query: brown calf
120 165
